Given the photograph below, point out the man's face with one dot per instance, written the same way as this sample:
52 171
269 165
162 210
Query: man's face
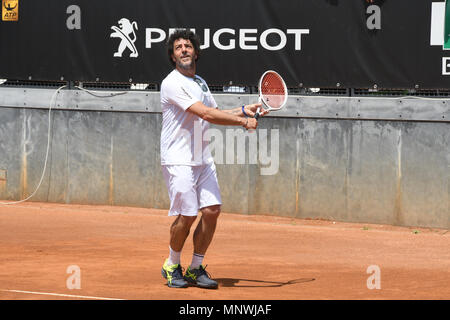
184 54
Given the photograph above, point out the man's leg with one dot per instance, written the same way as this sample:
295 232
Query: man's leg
171 270
209 203
180 181
205 229
203 236
179 231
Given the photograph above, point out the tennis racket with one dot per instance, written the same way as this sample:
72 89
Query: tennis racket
273 93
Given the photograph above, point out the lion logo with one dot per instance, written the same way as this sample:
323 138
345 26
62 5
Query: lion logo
126 32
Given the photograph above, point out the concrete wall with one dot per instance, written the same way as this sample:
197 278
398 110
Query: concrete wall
374 160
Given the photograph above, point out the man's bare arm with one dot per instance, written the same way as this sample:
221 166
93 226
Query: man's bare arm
220 117
249 109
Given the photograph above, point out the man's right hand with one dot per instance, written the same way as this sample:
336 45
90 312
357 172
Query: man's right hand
251 124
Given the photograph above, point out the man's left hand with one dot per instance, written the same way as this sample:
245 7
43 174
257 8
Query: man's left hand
251 109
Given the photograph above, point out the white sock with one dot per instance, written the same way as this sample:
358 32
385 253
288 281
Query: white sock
197 260
174 257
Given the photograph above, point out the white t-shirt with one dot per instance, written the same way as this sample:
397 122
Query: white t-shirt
182 134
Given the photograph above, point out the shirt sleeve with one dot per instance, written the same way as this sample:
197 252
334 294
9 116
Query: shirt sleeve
211 102
176 94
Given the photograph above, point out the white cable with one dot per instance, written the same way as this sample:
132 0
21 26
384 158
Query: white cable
49 134
94 93
421 98
47 152
370 97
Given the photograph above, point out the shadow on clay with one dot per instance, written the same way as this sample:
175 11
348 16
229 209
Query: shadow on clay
247 283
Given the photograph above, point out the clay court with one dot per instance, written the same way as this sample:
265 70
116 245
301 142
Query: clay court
120 250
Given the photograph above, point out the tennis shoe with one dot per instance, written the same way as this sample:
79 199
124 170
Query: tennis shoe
200 278
174 275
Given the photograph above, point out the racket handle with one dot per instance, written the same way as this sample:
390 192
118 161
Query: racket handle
257 113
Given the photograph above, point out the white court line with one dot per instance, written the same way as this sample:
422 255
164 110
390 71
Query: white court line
59 295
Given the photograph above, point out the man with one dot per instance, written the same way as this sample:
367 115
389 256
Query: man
187 165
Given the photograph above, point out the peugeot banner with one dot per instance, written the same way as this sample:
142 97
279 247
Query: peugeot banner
312 43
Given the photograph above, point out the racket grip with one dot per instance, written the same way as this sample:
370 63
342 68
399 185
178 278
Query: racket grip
257 113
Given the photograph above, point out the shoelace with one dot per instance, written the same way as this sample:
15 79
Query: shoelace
203 271
178 272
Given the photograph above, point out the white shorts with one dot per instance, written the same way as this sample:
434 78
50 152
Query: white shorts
191 188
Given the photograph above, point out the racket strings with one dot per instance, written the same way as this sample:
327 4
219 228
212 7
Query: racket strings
273 91
272 84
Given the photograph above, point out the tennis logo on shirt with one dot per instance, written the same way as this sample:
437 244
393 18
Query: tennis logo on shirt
126 32
201 84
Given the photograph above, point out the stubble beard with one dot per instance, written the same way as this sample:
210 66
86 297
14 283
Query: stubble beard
186 65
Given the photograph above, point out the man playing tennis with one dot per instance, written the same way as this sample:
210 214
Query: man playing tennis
187 165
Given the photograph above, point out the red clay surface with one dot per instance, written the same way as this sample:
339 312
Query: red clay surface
120 250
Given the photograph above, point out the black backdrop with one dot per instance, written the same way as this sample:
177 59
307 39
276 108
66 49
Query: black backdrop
338 48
